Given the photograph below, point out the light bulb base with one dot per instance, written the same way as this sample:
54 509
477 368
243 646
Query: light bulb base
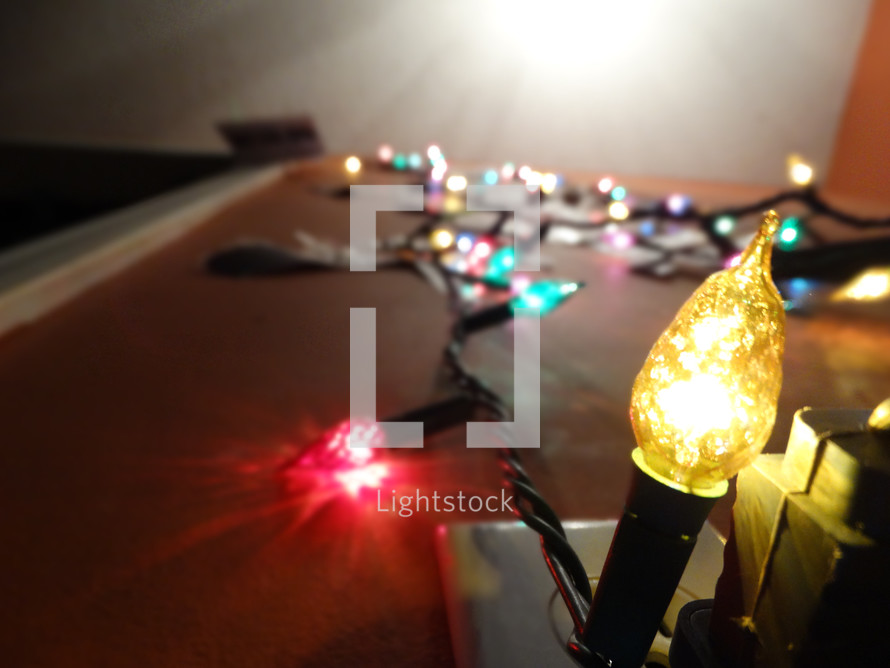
649 552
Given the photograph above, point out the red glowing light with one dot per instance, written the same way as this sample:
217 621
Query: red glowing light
331 458
333 452
357 479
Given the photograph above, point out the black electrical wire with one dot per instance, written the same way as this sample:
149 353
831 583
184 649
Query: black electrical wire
563 562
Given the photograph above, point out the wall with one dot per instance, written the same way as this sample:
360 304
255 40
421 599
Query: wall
860 165
687 88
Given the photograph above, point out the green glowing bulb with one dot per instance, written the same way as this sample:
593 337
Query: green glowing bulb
399 161
789 232
500 264
544 295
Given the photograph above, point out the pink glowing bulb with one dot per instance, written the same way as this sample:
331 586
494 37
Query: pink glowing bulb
622 240
507 171
482 249
520 284
605 185
733 261
385 153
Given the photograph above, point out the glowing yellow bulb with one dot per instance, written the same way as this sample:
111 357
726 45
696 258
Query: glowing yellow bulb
618 211
799 172
442 238
548 183
453 205
704 403
868 286
353 164
456 183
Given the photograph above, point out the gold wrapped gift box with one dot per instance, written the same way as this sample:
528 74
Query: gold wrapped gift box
806 580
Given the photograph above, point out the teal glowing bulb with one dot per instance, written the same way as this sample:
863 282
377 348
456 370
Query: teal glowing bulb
619 193
789 233
500 264
399 161
544 295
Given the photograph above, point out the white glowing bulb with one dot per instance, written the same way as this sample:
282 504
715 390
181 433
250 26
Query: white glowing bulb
434 153
353 164
605 185
618 211
533 180
456 183
524 171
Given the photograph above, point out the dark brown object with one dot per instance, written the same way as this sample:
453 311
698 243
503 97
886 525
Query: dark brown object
261 141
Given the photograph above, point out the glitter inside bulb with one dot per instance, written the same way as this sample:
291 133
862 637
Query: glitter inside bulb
704 403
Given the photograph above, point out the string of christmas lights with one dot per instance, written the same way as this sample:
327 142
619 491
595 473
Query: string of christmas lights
462 259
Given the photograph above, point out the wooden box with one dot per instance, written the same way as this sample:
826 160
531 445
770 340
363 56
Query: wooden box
806 580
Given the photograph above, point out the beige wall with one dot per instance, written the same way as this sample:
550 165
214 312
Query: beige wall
688 88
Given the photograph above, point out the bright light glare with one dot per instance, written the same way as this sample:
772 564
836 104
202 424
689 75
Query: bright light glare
696 406
508 170
434 153
870 285
353 164
605 185
456 183
569 33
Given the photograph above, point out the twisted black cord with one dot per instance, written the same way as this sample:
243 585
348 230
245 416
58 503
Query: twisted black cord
563 562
